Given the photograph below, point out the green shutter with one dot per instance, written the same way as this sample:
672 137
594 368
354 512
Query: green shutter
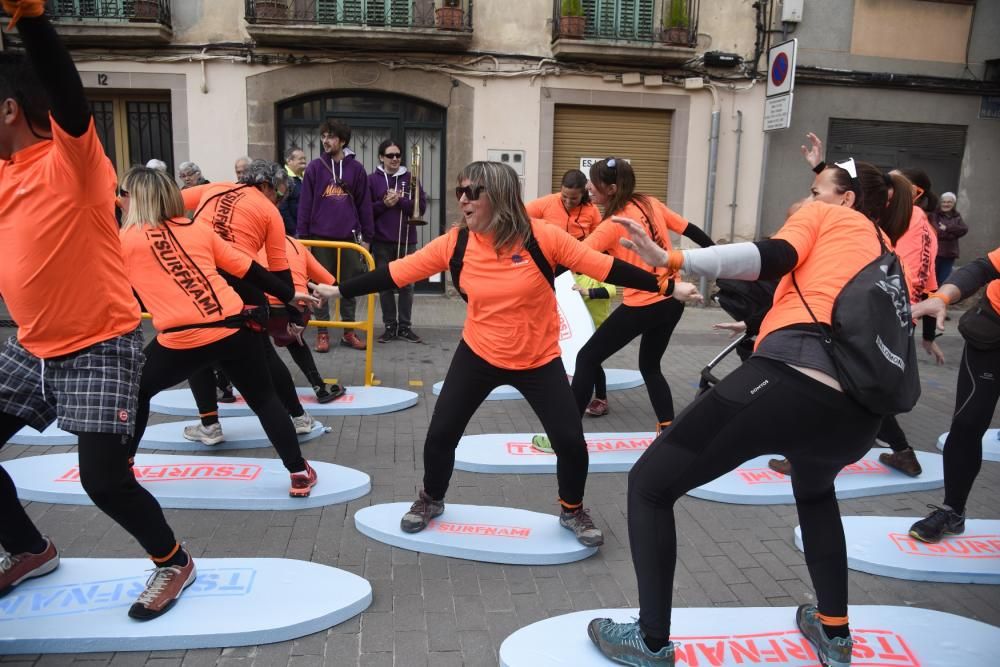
619 19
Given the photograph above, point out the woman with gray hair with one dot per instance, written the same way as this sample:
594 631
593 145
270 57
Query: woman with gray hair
245 216
948 223
190 175
503 264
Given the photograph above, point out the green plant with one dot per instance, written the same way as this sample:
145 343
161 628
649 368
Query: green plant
572 7
678 15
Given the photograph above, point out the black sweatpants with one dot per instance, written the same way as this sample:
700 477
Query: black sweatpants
762 407
107 477
655 323
203 384
891 434
469 381
238 356
975 403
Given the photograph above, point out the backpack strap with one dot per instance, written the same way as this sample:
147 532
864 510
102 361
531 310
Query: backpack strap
458 259
827 338
536 253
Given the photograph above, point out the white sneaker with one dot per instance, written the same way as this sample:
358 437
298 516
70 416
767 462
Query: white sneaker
206 435
304 424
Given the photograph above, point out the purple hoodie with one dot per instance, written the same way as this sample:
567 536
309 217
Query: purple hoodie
387 220
334 201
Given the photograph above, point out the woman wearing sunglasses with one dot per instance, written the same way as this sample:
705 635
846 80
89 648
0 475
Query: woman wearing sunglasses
511 333
786 397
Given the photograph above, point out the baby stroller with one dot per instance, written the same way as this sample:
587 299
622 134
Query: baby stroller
743 300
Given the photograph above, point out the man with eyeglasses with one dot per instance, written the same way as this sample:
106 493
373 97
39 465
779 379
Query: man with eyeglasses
190 174
334 205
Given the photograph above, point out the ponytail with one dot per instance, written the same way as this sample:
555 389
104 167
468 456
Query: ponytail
895 217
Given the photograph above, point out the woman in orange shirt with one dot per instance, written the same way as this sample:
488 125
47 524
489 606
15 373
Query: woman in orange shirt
650 316
570 209
173 265
511 333
976 394
786 397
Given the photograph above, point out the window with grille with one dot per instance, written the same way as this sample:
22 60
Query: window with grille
134 129
619 19
391 13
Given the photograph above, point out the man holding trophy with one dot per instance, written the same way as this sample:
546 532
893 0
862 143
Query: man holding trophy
398 202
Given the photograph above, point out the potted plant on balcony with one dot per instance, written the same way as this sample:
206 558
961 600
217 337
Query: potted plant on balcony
572 20
450 15
677 24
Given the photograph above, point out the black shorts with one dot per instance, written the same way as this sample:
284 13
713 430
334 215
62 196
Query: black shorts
95 390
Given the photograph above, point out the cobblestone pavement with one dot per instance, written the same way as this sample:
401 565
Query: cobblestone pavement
430 610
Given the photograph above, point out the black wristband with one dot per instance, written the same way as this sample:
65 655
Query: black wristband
819 167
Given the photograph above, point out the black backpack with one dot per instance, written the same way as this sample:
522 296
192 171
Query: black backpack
458 260
870 338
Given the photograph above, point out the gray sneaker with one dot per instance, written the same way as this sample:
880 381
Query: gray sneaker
421 512
206 435
623 643
303 424
583 527
834 652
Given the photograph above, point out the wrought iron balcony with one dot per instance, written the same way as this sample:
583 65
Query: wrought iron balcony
127 22
411 24
658 31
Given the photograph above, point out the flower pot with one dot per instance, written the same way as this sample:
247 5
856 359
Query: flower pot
449 18
572 27
677 36
271 9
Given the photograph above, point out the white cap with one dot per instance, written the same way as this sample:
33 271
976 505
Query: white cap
949 195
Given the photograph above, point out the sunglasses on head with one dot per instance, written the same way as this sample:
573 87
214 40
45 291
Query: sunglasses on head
471 192
393 156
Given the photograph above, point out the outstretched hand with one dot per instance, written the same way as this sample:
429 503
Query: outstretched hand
734 328
687 293
640 242
936 308
814 152
303 301
325 293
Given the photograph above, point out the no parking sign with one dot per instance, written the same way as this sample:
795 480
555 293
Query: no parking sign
780 82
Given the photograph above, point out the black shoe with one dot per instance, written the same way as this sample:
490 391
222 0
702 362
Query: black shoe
406 333
328 392
940 522
388 335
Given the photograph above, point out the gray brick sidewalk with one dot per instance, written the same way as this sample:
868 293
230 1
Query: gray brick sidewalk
435 611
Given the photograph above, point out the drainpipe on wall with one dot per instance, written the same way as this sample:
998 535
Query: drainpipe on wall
736 176
713 159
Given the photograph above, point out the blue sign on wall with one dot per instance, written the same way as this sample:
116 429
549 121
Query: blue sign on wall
989 107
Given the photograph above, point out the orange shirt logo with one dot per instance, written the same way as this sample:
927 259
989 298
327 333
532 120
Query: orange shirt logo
334 189
183 270
222 219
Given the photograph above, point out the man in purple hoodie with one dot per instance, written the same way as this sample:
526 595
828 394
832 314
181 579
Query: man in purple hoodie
391 188
334 205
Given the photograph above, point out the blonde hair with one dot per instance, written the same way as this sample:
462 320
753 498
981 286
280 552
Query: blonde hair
510 223
153 198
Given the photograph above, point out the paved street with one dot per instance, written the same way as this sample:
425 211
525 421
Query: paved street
430 610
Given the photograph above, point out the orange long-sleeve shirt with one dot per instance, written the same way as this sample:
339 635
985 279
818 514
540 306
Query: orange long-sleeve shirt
512 319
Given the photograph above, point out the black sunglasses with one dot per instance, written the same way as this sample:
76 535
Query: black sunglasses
471 192
393 156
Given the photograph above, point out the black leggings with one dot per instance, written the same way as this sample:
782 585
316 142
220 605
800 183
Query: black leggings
107 477
655 323
469 381
891 434
975 402
238 356
203 384
762 407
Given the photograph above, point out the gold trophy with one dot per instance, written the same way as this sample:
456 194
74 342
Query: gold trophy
416 219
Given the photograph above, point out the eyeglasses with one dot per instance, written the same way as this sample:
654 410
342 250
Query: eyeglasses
848 166
393 156
471 192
